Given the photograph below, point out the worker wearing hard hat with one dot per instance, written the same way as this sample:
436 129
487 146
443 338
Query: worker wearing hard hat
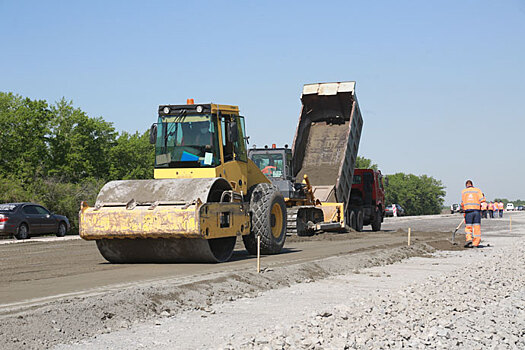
500 208
484 207
471 199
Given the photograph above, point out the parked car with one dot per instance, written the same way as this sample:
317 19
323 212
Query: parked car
29 219
455 208
510 207
520 207
389 210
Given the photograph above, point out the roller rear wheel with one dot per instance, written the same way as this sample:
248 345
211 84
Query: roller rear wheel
268 219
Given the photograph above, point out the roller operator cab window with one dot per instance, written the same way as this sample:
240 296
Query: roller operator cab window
270 164
187 141
233 149
356 180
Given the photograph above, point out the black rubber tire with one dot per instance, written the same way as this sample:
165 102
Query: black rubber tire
359 220
352 220
376 222
22 232
62 229
262 198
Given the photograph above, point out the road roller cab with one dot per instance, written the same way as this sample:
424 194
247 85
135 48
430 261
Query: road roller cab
206 192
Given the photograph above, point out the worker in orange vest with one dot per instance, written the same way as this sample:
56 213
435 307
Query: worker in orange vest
496 213
471 199
491 210
500 207
484 207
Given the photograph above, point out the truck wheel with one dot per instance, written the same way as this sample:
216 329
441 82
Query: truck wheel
351 220
359 220
22 232
376 222
268 219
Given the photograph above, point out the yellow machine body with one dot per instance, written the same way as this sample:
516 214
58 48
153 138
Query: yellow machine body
204 205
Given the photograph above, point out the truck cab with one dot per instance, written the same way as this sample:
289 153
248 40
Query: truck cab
368 195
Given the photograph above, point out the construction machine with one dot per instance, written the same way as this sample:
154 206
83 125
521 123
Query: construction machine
205 193
306 214
321 160
316 176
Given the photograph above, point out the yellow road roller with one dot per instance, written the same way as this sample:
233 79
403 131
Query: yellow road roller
204 194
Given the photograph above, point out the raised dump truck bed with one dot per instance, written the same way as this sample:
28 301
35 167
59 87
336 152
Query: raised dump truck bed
327 138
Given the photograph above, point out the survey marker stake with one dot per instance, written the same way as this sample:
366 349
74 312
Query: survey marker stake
258 254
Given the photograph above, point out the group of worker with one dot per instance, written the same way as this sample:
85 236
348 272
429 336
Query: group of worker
492 209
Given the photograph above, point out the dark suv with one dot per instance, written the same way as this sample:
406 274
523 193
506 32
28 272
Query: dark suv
28 219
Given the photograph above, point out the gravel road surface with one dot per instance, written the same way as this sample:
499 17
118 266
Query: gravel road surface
322 293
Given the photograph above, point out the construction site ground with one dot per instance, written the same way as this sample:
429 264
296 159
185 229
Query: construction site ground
356 290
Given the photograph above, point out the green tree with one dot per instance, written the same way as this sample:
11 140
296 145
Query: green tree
79 145
132 157
419 195
24 131
365 163
12 190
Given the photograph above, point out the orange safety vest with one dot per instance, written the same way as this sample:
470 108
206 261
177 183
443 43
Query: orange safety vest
500 205
471 198
491 206
268 169
483 205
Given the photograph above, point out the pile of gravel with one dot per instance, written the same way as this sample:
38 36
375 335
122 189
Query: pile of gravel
477 306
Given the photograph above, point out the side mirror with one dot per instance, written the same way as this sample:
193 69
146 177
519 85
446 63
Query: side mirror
234 132
153 134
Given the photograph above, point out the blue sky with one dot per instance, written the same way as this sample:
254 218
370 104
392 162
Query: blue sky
440 83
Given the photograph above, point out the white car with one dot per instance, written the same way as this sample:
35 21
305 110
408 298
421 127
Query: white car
455 208
510 207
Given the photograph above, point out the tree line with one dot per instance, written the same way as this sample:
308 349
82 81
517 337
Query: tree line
57 155
419 195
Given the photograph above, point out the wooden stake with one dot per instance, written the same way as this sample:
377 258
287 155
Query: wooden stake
258 254
409 236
